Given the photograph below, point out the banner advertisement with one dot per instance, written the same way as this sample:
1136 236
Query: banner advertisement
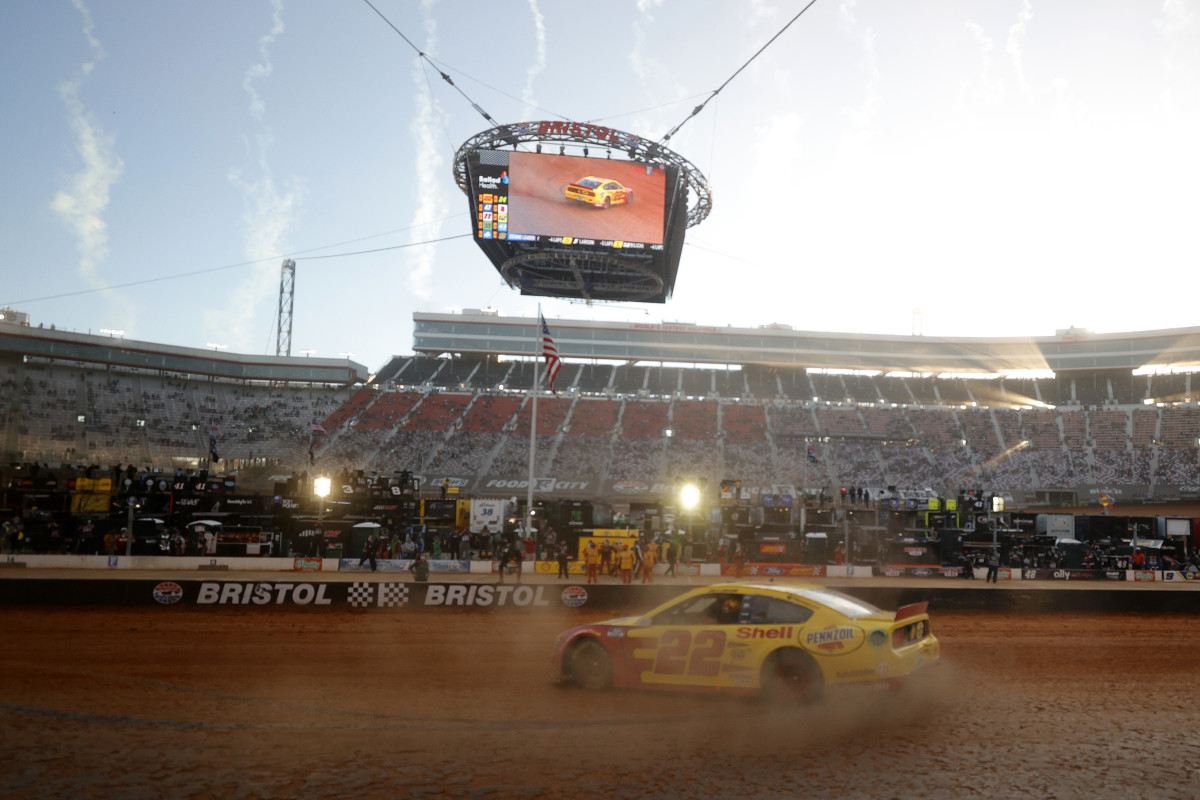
551 567
302 595
1178 577
1073 574
756 569
906 571
402 565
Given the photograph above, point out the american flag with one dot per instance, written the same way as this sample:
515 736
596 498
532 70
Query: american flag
549 352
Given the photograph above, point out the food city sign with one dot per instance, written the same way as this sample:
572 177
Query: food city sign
539 485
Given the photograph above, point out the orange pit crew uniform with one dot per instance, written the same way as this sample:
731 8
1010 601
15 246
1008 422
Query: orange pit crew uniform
625 562
591 563
649 559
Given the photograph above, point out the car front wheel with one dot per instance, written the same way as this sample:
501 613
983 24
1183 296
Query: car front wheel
591 666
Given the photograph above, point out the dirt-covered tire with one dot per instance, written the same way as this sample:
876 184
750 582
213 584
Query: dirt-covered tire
791 675
590 665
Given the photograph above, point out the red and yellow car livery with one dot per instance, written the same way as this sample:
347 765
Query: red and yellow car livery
781 641
598 192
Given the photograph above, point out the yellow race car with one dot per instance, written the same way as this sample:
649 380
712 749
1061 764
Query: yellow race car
780 641
598 192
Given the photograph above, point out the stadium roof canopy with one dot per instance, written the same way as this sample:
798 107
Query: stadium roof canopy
57 345
487 333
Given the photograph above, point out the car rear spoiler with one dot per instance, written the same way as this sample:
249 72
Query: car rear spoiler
911 610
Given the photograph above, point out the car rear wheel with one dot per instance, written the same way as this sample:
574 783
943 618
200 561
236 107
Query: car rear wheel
608 202
791 675
591 666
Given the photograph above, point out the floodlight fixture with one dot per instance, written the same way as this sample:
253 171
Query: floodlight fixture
689 496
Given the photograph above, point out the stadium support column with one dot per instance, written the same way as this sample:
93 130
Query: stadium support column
287 295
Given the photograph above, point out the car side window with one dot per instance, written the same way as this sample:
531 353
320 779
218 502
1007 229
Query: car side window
709 609
773 611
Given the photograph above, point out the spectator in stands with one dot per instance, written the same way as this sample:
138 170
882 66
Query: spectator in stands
86 541
54 539
510 554
465 545
1138 560
370 551
993 565
672 558
564 559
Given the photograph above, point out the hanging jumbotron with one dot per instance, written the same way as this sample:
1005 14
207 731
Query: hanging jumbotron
573 210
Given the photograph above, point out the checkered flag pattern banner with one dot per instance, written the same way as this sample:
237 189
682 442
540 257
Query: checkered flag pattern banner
392 595
381 595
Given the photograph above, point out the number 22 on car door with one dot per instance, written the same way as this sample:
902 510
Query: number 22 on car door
686 656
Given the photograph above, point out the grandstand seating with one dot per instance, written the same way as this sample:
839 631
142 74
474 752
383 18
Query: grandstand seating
437 412
694 419
609 422
643 420
743 424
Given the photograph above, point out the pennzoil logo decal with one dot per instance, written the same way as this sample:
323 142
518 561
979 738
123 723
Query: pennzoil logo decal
836 640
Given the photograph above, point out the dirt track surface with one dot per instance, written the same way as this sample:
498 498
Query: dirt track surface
231 703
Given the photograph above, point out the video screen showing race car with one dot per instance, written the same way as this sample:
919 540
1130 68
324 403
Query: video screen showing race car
571 200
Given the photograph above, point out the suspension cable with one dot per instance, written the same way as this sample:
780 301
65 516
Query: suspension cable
717 91
429 61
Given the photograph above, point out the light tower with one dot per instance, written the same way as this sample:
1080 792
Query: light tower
287 294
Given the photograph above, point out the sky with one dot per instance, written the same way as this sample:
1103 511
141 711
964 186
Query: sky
943 168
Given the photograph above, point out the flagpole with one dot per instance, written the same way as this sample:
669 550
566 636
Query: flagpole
537 355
